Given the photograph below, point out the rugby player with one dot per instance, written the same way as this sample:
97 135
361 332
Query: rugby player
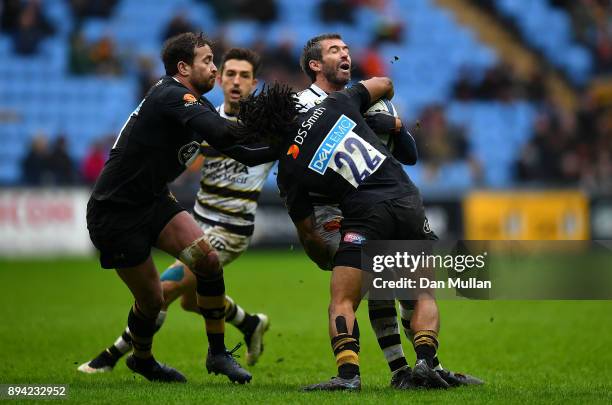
327 62
331 71
131 208
225 210
377 200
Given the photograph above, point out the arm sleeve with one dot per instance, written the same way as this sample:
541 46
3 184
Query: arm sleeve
220 134
405 148
209 126
296 200
357 95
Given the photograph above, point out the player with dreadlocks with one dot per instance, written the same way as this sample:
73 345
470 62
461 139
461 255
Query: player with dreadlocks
331 151
326 60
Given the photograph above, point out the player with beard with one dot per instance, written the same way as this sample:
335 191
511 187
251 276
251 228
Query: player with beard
132 210
327 62
225 210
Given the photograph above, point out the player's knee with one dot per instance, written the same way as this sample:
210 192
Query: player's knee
344 306
201 258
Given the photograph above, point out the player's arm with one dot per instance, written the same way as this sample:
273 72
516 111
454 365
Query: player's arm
378 87
314 245
363 94
209 126
222 135
301 212
405 149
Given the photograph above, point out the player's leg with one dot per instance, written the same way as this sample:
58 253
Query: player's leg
343 329
382 314
383 318
183 238
229 246
453 379
143 282
173 286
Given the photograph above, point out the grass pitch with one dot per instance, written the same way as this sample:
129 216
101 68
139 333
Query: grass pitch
57 314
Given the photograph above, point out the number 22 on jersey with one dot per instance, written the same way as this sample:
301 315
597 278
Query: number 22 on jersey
346 153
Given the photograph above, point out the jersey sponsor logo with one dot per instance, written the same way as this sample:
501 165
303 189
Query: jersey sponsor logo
354 238
307 125
326 149
294 151
188 153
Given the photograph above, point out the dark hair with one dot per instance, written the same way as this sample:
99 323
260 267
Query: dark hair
270 114
181 47
312 51
243 54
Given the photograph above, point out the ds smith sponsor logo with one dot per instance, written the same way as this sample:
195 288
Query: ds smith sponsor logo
294 151
320 160
307 125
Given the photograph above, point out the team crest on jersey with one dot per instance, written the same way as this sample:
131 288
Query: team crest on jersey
188 153
426 227
189 99
294 151
354 238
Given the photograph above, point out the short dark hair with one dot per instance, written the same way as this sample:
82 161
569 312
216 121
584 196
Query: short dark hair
181 47
242 54
312 51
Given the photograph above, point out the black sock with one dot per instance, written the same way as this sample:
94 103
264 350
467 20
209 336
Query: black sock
249 324
216 342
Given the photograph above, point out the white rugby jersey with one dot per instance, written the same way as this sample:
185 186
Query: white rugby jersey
310 97
228 189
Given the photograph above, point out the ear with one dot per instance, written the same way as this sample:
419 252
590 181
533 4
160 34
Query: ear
314 65
255 81
183 68
219 78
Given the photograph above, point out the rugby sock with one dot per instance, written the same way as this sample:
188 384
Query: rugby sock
211 301
406 311
383 318
142 330
346 349
238 317
426 345
123 343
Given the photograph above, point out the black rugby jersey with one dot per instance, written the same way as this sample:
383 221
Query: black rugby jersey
334 153
161 138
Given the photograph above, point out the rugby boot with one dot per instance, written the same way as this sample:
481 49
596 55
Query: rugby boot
225 363
154 371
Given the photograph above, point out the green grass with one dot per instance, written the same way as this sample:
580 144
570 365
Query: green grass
57 314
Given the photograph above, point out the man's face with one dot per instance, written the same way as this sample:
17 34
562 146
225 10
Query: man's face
203 70
237 81
336 61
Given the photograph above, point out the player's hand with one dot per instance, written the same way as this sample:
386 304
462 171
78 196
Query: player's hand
383 123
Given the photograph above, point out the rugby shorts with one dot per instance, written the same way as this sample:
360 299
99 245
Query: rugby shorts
229 245
397 219
124 234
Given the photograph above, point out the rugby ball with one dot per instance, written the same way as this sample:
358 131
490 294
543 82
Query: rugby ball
386 107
